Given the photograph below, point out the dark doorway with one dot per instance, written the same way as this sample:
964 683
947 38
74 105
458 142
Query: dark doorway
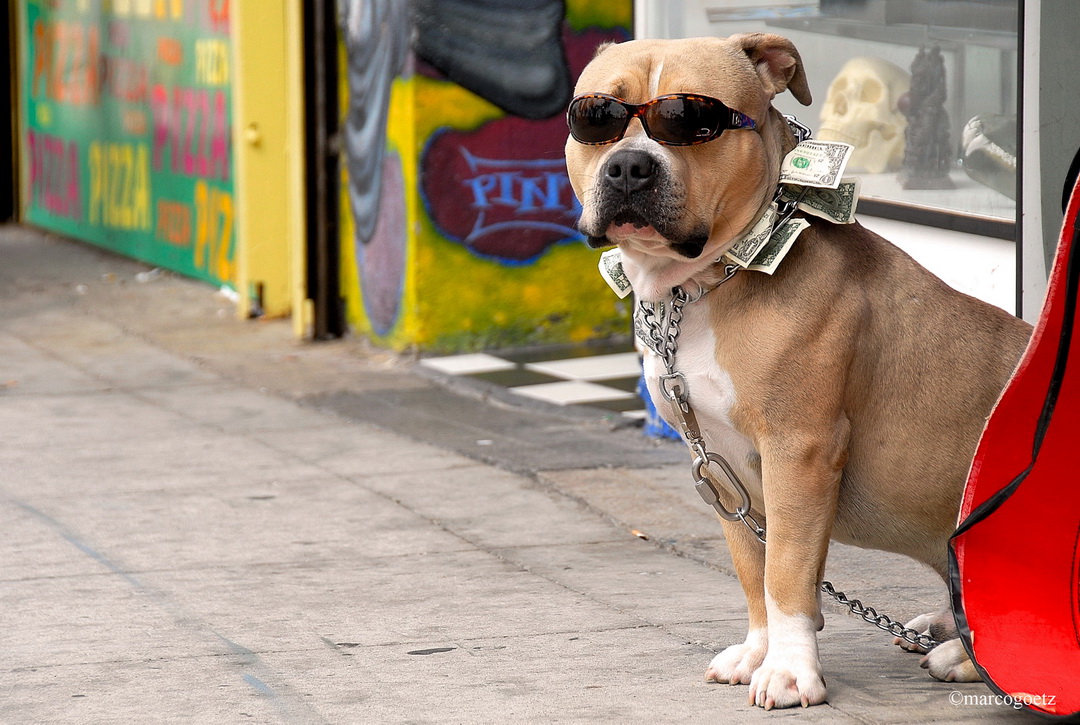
8 180
323 170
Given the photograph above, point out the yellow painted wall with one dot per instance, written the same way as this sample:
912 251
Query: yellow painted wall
422 280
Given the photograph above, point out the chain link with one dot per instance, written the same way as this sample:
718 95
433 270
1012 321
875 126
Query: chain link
662 335
882 621
801 131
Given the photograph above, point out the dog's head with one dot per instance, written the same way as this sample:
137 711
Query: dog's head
674 209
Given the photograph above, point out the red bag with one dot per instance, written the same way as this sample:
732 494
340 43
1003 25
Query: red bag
1015 558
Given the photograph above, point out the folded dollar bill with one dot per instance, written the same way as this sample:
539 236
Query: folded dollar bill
781 241
835 205
611 270
743 251
816 163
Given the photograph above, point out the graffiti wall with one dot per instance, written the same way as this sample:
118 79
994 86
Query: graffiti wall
458 228
126 117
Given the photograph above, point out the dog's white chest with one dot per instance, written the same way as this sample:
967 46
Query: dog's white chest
712 394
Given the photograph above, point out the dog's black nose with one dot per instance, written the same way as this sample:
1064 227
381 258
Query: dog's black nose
630 170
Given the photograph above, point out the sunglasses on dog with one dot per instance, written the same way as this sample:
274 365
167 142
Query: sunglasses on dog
675 119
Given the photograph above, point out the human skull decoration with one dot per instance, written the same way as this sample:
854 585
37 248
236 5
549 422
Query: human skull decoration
861 108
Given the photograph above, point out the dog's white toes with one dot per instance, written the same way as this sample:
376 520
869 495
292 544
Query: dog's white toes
908 646
949 662
735 665
787 682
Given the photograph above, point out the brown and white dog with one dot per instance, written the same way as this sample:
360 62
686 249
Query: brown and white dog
848 390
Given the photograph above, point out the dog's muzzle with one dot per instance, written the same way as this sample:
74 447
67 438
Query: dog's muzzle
629 172
633 187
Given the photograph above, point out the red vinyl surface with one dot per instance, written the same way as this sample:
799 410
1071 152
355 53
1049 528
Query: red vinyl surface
1016 571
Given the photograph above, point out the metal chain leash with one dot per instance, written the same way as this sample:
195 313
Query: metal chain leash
662 337
882 621
660 331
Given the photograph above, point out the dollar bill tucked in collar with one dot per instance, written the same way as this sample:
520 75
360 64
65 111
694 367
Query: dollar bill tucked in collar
816 163
834 205
649 335
780 241
612 271
744 250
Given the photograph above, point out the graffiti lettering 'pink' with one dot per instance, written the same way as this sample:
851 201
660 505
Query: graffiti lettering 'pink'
195 135
55 179
548 191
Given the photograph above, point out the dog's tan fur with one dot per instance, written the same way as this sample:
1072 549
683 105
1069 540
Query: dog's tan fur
861 381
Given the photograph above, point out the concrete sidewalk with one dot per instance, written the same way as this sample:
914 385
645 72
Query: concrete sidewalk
203 520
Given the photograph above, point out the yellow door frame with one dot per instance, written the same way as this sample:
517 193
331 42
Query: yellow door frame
268 129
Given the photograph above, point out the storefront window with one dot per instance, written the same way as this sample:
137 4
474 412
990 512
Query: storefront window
926 90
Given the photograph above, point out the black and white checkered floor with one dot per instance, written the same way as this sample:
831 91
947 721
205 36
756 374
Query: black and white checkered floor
604 379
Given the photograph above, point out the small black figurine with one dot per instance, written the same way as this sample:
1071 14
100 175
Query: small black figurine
928 154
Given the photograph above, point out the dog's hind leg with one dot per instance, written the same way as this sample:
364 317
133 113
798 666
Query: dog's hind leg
949 662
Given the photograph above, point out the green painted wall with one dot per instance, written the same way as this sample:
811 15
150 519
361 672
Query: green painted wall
126 128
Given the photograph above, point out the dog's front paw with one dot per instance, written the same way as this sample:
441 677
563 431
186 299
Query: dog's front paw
784 681
736 664
949 662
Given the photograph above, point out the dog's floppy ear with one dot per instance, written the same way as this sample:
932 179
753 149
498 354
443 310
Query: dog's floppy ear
602 47
777 62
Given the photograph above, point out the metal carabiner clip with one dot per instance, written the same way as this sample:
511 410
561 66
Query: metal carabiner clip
711 496
674 388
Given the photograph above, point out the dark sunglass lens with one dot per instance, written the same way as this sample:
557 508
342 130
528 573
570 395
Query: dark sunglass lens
597 120
685 120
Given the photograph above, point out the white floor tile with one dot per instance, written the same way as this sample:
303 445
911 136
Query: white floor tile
571 391
470 364
598 367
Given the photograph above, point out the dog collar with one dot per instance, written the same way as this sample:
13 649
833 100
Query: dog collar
729 272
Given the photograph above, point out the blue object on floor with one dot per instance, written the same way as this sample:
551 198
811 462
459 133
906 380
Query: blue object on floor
655 426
